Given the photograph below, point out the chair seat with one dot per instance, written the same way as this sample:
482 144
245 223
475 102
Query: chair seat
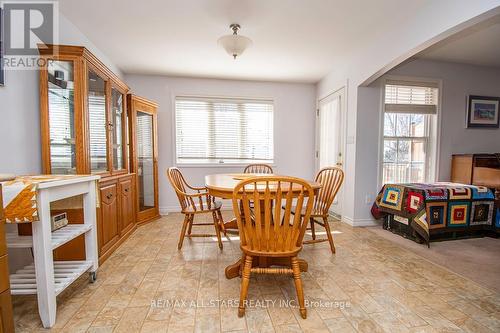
314 212
197 209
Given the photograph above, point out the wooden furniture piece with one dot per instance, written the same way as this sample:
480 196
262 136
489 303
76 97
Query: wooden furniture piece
85 130
258 168
144 155
476 169
222 186
6 316
197 202
270 231
45 277
330 178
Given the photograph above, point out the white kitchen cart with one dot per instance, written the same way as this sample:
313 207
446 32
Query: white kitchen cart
45 277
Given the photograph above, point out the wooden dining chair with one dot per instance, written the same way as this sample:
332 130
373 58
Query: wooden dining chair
330 178
270 231
194 201
258 168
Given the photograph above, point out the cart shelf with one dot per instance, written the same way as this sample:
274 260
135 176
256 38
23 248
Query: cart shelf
59 237
23 282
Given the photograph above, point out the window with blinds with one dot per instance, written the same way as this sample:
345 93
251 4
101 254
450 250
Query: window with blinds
410 110
223 130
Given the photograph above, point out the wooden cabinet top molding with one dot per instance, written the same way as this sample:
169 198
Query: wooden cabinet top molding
53 51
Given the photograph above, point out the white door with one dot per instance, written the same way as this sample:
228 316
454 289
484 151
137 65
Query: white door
330 137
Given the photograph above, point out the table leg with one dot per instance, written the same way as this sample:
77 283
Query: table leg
89 217
44 262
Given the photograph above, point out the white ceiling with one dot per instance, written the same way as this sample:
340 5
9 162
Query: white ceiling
294 40
479 45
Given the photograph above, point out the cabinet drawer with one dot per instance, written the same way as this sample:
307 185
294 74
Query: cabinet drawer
126 187
108 194
4 273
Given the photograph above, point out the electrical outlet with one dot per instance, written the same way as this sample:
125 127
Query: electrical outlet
368 199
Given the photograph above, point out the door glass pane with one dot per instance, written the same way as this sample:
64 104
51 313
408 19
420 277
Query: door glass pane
97 122
329 142
145 160
117 118
61 117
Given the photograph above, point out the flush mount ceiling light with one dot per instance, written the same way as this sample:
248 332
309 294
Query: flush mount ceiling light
234 44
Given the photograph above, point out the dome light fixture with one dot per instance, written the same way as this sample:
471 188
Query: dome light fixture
235 44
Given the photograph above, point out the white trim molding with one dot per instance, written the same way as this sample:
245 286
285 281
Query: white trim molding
361 222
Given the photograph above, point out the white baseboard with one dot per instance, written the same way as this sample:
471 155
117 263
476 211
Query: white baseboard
360 222
164 211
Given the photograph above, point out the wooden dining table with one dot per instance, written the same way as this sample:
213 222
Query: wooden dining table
222 186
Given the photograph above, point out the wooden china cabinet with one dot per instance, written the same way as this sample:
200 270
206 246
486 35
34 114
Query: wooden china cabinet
85 130
144 152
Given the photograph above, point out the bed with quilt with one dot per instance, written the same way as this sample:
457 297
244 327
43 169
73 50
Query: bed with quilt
424 212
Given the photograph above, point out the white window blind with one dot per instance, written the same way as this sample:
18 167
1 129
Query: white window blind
409 120
144 135
223 130
411 97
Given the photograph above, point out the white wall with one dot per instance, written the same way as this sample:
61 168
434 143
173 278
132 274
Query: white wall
458 81
294 123
20 110
432 22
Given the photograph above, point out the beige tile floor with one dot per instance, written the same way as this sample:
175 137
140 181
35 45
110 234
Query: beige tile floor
370 285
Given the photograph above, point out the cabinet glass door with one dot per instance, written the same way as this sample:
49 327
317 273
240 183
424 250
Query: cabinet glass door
61 117
97 123
145 161
117 117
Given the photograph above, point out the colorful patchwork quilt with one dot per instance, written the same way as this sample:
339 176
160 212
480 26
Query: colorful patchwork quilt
426 207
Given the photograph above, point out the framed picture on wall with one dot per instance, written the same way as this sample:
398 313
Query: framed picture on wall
483 112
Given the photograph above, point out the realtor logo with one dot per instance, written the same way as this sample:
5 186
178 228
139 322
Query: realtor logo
26 26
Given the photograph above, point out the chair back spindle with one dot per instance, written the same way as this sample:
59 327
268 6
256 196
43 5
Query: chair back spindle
258 168
331 179
199 202
263 225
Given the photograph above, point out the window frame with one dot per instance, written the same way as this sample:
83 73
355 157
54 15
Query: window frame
432 160
174 97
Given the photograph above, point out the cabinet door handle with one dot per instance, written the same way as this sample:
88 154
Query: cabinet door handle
126 190
109 196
